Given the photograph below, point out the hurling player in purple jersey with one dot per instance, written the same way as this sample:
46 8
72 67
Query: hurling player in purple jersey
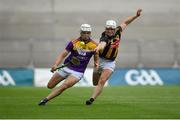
82 49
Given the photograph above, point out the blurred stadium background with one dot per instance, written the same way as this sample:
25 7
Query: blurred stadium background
39 29
33 32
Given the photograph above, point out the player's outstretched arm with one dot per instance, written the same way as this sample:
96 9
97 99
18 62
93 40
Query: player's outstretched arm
96 60
132 18
100 46
59 60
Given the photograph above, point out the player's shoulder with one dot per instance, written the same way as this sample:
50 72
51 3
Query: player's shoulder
103 34
74 40
118 29
94 42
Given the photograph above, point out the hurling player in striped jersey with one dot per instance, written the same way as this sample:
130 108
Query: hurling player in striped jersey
108 51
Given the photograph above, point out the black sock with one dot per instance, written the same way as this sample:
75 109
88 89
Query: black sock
91 99
45 100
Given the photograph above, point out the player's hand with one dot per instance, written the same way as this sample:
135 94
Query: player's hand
138 13
96 50
54 68
115 44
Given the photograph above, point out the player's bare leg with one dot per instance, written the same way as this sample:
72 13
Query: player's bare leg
55 79
70 81
106 73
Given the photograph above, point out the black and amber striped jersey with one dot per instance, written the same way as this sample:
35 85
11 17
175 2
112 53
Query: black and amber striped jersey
112 43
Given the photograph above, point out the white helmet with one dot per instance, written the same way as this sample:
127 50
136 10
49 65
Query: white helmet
86 27
110 24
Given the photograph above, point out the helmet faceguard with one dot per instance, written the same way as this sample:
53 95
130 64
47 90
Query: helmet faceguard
85 31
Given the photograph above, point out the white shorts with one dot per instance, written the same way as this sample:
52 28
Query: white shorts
107 64
64 72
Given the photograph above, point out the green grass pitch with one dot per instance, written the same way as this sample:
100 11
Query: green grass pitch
115 102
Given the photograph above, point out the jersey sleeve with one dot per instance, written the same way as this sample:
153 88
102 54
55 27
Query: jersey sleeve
69 46
103 38
118 31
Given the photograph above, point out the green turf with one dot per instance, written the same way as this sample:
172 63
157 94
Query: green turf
115 102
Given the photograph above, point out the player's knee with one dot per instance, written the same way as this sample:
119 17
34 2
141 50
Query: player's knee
102 81
64 86
50 86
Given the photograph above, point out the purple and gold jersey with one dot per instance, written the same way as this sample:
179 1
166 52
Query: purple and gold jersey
81 51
